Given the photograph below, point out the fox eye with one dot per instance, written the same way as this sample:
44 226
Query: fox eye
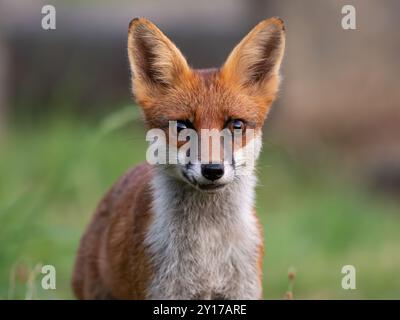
236 125
183 124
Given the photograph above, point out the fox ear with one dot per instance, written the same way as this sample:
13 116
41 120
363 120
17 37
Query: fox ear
156 63
254 63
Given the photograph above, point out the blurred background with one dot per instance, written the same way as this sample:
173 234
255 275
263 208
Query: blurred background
329 186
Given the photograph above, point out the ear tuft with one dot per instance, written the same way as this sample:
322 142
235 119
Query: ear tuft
278 21
135 21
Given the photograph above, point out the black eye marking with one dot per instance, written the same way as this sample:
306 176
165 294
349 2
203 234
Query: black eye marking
236 124
183 124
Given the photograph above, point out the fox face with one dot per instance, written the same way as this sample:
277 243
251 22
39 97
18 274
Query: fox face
234 99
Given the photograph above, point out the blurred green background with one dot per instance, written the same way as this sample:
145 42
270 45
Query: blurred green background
329 174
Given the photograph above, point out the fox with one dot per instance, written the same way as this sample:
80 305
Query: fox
186 231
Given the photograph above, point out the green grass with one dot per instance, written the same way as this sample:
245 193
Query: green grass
315 220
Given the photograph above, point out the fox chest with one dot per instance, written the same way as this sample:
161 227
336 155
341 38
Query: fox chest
204 261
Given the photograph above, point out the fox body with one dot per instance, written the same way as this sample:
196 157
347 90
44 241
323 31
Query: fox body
189 231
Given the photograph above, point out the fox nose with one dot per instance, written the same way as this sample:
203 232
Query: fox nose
212 171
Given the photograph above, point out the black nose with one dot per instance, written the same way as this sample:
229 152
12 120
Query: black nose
212 171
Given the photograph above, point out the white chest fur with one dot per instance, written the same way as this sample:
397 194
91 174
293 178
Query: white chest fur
203 245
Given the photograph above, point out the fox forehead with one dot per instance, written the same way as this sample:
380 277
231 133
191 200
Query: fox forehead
206 101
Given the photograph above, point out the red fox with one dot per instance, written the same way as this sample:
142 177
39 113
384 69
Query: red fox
173 231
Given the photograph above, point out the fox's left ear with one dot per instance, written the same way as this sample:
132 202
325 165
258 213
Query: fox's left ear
254 63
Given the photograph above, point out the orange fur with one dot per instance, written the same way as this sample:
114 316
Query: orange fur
112 261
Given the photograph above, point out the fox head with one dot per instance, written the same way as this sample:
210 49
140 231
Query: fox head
235 97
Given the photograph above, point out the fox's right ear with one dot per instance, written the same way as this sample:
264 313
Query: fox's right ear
156 63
